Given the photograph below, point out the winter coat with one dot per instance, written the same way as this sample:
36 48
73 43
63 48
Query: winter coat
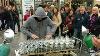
1 13
63 17
91 22
1 16
69 22
26 17
81 19
57 20
8 15
38 24
15 15
96 30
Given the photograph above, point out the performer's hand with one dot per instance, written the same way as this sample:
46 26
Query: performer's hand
34 36
49 36
96 42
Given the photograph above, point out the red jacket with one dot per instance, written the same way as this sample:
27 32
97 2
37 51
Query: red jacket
26 16
69 22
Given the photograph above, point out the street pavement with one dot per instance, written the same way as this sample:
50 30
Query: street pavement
14 45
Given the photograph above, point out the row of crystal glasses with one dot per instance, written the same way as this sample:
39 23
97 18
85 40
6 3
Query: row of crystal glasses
39 46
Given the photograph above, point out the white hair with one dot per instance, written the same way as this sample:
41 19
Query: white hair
96 8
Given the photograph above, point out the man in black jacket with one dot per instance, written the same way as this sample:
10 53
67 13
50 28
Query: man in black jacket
16 18
9 18
81 19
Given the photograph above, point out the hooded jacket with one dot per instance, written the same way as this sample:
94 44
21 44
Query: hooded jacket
38 24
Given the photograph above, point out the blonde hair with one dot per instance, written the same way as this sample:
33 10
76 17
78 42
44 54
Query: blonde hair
97 9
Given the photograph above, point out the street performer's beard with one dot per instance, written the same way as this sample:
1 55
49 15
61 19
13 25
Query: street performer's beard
39 19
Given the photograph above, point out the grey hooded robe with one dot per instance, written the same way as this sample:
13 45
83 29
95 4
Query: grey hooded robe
38 24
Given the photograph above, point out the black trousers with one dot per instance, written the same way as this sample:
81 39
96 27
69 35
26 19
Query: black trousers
10 24
61 27
78 34
16 21
70 33
56 33
3 24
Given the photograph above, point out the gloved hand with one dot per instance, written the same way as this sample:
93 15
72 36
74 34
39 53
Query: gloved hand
34 36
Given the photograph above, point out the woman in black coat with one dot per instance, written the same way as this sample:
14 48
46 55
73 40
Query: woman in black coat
97 27
96 40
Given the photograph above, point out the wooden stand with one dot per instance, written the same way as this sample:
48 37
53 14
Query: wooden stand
68 52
